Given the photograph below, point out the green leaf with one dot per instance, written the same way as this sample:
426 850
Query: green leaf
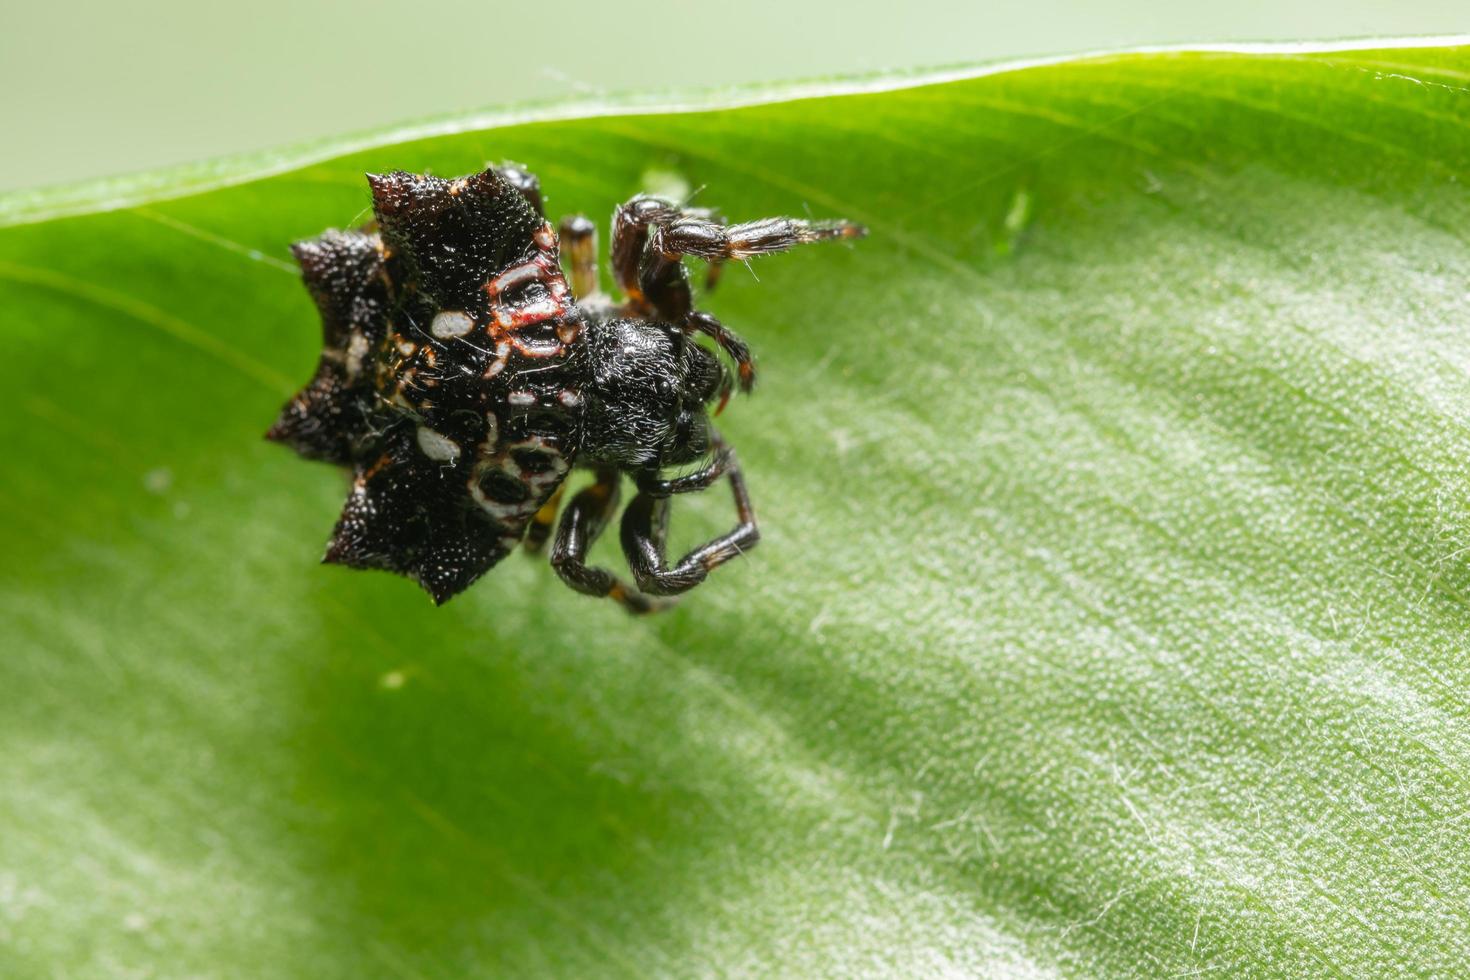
1111 615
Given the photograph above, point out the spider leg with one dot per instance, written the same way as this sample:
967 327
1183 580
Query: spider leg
714 241
630 225
645 529
715 268
651 235
581 523
542 522
579 240
651 484
730 342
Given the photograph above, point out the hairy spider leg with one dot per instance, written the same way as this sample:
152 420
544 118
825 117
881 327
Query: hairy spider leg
581 524
649 482
732 344
650 235
714 268
645 530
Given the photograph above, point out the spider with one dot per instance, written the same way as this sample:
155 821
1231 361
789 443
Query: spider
462 377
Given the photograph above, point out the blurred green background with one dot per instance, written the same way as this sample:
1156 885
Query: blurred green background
98 88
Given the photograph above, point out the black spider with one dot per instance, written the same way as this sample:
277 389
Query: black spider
461 379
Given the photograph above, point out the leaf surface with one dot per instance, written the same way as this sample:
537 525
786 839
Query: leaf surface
1111 614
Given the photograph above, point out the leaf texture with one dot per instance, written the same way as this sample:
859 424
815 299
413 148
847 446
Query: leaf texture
1110 619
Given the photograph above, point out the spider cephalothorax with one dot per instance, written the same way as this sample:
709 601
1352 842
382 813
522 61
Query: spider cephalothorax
462 377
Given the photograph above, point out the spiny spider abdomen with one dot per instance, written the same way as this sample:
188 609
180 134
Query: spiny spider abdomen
462 377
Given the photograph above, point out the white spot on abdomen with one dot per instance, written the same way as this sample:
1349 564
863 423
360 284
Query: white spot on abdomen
357 349
451 323
502 354
436 446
